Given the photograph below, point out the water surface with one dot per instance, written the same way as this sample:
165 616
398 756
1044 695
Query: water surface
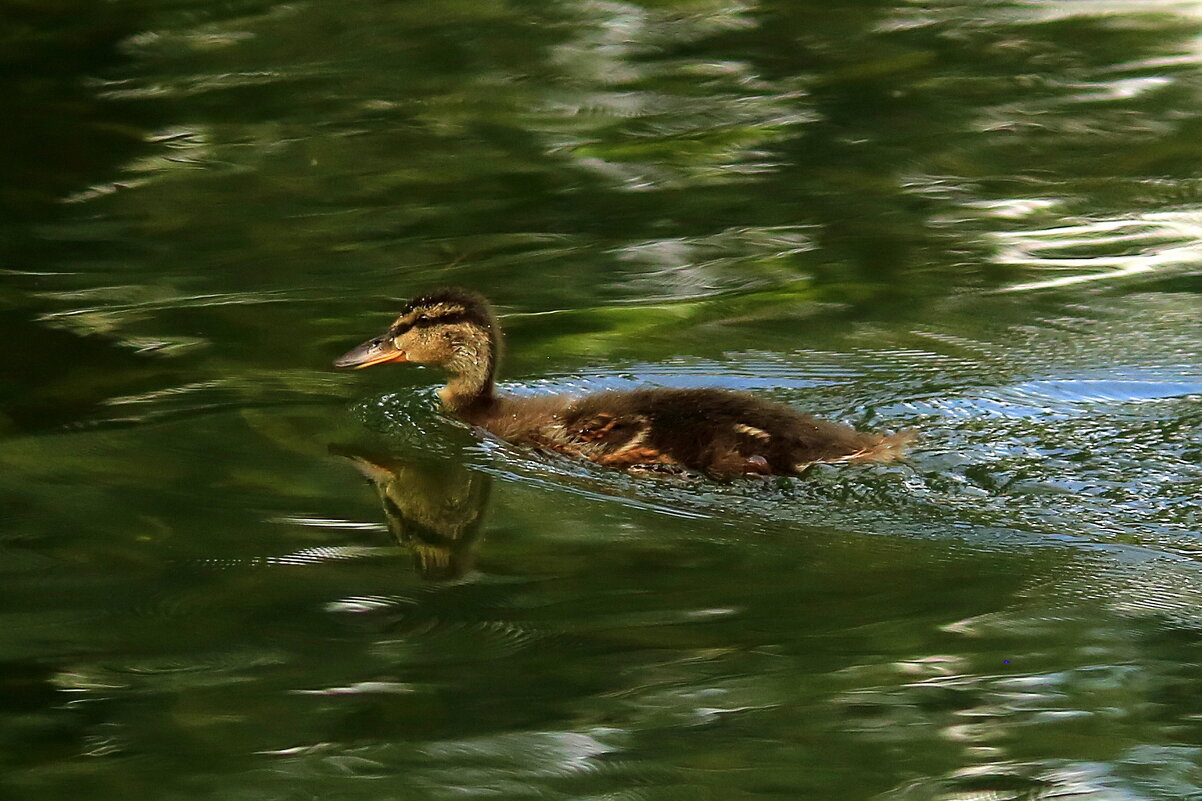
230 572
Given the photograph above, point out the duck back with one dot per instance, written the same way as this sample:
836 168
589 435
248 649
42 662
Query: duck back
721 432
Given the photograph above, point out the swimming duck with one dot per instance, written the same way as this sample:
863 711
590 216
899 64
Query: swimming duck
722 433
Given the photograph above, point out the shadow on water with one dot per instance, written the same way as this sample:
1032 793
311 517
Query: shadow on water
53 117
59 135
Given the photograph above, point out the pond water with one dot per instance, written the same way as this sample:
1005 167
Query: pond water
229 572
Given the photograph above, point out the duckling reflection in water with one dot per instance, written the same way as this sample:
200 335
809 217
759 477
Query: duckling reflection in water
433 507
722 433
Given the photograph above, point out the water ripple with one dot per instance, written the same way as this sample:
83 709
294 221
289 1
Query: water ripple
1102 250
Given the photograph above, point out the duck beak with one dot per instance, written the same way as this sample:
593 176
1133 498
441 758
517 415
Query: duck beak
374 351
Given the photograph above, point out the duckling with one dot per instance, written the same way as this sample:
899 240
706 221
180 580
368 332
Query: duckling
722 433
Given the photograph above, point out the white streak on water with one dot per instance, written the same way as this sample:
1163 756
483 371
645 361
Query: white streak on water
1171 239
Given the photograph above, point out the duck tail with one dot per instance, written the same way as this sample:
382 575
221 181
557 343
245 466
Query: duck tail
888 448
881 448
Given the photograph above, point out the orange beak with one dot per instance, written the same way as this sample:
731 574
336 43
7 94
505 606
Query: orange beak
374 351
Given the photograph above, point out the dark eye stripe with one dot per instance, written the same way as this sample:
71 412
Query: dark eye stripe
426 321
444 319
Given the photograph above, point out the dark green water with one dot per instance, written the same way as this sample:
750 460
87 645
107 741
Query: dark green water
978 218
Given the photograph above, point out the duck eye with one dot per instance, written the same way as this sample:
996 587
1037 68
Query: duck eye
423 318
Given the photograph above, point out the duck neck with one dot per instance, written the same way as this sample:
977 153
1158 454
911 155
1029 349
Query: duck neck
472 388
464 394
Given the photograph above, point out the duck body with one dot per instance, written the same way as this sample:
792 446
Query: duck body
722 433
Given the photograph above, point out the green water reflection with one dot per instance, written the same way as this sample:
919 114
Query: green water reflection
229 572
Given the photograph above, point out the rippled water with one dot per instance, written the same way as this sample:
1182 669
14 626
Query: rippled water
230 572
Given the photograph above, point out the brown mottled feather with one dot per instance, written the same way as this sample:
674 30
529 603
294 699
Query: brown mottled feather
720 432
